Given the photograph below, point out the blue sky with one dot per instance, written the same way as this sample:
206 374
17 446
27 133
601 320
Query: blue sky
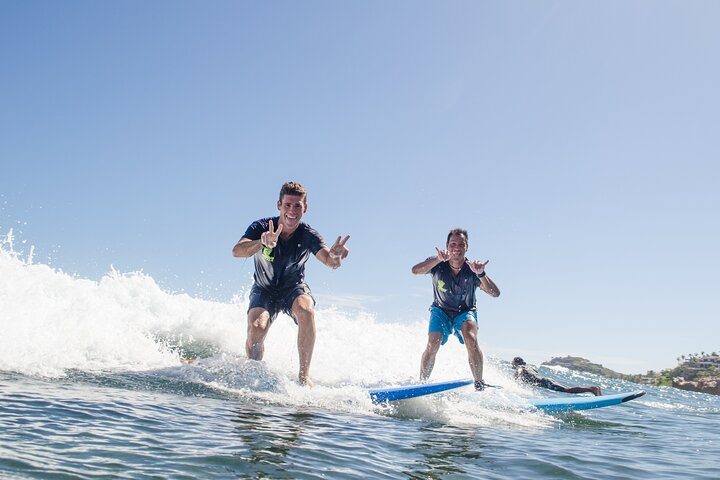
576 141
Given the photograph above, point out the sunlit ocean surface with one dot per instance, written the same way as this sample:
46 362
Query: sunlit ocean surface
92 386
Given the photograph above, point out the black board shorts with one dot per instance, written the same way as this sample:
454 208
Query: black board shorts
550 385
276 302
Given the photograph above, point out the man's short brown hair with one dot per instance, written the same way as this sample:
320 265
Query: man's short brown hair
293 188
458 231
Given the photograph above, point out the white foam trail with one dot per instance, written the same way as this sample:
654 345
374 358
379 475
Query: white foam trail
51 322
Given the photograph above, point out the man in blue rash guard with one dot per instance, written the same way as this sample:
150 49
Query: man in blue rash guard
280 246
528 374
455 279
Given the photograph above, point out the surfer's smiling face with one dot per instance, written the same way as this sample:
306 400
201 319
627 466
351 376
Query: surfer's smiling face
457 246
292 208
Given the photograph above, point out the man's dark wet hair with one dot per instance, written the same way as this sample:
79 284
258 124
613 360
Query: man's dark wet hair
293 188
458 231
518 361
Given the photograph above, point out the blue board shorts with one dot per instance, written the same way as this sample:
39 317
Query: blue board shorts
276 302
440 322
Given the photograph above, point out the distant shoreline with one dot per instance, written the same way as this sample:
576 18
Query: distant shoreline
697 373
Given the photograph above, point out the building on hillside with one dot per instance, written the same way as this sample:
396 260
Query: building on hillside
705 361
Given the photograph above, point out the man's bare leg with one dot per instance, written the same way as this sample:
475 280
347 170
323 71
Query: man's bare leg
258 325
428 357
304 312
475 355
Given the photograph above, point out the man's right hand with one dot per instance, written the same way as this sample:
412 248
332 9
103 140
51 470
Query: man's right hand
429 263
442 255
269 239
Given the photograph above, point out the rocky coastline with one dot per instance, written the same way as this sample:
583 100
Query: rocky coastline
699 373
704 385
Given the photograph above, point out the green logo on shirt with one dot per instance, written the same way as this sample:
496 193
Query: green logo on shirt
441 286
267 254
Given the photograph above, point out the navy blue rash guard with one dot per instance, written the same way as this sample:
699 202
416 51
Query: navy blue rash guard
282 268
454 294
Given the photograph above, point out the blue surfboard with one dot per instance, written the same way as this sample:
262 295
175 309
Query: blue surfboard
382 395
567 404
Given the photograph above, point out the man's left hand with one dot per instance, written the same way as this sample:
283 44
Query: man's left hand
339 250
477 266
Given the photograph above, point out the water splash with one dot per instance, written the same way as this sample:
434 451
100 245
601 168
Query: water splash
125 325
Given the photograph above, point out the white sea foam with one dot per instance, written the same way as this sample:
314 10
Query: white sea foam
53 323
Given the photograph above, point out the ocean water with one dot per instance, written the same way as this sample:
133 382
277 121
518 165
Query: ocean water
92 386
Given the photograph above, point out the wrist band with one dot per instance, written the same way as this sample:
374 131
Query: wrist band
481 275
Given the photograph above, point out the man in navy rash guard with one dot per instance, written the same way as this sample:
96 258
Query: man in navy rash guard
453 311
280 246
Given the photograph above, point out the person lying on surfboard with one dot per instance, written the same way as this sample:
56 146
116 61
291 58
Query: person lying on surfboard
279 283
528 374
454 311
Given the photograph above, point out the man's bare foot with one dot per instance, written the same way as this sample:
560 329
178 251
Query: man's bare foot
306 381
596 391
